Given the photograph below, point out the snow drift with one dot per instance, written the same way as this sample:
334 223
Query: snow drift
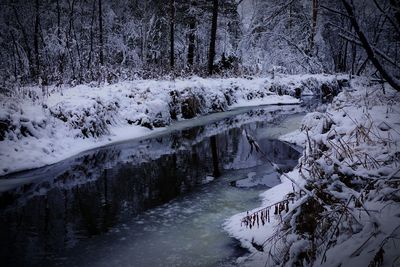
48 124
340 205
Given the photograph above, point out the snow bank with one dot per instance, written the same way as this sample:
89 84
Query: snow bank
39 129
341 204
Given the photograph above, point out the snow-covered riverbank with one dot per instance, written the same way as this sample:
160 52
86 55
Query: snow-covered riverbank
341 204
39 130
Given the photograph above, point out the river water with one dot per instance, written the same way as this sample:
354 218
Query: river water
154 201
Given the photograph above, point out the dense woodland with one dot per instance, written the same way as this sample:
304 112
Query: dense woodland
80 41
111 109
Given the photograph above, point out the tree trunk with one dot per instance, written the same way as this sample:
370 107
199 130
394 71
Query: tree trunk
290 19
396 6
353 58
344 61
78 52
192 37
91 37
101 56
214 154
211 51
27 47
313 25
61 56
370 51
69 39
17 51
36 39
14 55
171 34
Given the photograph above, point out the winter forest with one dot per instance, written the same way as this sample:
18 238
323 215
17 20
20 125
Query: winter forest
77 42
200 133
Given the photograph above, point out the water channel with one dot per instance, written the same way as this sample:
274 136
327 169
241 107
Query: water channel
154 201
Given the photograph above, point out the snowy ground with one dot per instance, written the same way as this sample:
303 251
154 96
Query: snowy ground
348 211
39 129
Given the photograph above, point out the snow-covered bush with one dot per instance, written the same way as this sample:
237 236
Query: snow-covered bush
17 122
341 204
191 104
92 120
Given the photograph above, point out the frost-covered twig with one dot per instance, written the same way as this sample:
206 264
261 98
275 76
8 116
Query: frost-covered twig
334 231
252 141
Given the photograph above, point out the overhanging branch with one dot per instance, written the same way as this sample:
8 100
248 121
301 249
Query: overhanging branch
370 51
377 51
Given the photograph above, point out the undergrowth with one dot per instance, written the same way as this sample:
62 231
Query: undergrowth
350 183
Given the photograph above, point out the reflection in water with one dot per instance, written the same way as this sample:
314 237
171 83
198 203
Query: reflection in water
213 143
88 195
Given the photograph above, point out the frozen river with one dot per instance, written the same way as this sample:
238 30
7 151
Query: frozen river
158 201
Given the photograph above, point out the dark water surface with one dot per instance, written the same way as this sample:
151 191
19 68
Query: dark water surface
149 202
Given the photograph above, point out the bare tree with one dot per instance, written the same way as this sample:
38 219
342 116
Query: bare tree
25 40
396 6
91 35
101 56
191 36
313 25
36 38
172 33
368 48
59 37
211 51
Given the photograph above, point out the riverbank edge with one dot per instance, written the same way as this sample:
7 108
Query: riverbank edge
280 241
42 126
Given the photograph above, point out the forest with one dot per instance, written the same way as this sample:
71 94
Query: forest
200 133
75 42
